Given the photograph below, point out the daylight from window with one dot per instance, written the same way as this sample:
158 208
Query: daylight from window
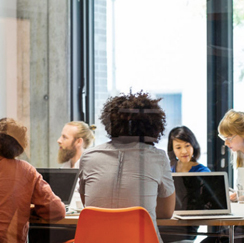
146 50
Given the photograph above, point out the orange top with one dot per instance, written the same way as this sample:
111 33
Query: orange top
20 186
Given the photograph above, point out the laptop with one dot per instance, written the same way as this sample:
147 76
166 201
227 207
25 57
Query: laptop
202 195
62 181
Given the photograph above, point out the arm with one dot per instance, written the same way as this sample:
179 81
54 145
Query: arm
165 206
82 196
81 189
47 204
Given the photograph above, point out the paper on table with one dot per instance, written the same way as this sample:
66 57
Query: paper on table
237 208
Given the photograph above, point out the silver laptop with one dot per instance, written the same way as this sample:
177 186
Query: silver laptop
202 195
62 181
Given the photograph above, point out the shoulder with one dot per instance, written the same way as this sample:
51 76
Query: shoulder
66 165
200 168
98 148
23 169
30 169
110 150
151 150
107 145
23 165
95 153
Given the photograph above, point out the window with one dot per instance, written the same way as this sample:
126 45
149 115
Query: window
146 47
238 29
172 105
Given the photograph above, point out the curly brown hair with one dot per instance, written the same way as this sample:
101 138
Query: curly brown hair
13 138
133 115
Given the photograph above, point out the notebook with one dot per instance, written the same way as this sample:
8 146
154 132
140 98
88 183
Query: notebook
62 181
202 195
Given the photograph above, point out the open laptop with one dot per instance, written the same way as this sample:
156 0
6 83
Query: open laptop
62 182
202 195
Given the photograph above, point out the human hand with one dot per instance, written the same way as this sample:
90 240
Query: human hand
233 197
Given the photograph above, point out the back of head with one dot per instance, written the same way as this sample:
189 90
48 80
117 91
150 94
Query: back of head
133 115
13 138
185 134
84 131
232 123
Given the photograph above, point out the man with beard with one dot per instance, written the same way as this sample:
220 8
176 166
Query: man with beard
76 136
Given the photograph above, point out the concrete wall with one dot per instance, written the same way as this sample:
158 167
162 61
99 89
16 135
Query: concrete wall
49 75
35 43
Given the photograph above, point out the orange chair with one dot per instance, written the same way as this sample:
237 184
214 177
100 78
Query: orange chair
121 225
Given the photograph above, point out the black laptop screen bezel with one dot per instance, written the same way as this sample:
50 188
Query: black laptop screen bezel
58 186
223 204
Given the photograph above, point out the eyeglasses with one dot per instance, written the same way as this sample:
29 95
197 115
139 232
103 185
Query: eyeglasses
227 139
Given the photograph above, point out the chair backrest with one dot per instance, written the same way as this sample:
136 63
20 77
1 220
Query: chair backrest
122 225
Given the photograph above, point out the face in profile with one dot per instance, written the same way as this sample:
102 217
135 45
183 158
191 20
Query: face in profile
235 143
67 144
183 150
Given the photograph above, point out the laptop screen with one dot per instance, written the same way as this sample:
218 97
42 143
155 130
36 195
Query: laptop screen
62 181
198 192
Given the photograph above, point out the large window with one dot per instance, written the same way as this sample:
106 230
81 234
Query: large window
238 58
148 47
176 50
238 24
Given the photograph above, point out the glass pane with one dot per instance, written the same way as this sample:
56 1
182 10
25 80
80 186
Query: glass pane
34 62
238 46
158 47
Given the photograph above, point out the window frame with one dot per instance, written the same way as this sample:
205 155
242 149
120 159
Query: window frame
219 80
82 60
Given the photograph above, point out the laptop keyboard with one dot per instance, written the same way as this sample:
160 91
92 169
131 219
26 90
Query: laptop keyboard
202 215
207 216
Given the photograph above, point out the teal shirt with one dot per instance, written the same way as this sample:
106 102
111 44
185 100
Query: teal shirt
196 168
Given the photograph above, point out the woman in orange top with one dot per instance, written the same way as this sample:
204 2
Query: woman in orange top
20 186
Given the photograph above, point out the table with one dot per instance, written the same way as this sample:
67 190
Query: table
236 208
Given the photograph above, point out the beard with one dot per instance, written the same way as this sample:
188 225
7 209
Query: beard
65 155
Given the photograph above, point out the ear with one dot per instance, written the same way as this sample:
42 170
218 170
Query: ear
80 142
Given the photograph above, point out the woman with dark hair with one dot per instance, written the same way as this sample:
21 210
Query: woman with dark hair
20 186
129 170
184 151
